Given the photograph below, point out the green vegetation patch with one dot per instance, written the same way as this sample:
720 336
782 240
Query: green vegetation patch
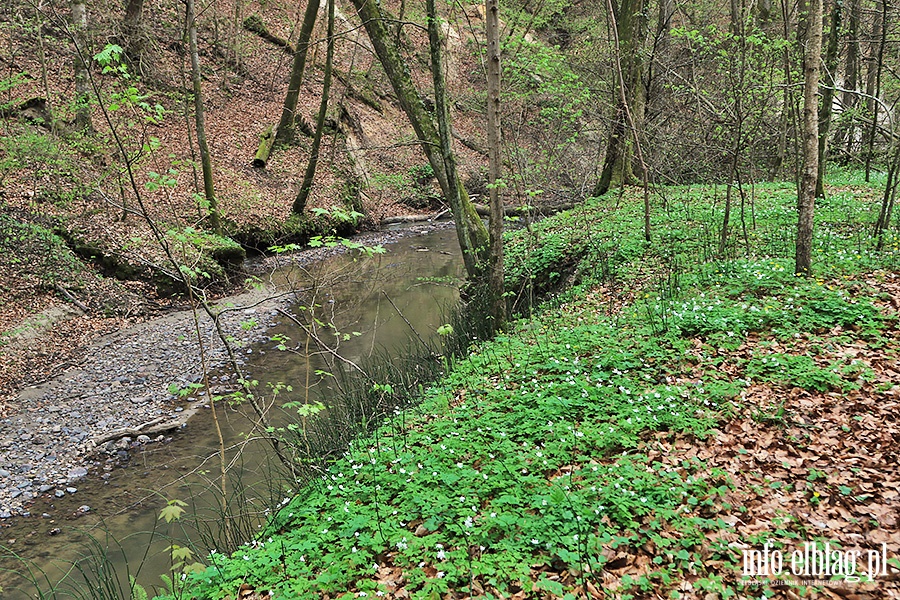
560 452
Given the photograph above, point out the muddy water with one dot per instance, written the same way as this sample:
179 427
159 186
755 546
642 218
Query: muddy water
363 300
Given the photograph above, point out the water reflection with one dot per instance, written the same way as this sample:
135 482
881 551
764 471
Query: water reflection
357 306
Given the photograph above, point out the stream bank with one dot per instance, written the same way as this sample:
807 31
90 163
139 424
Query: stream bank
84 422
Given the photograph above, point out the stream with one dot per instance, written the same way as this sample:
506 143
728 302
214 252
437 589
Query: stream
369 308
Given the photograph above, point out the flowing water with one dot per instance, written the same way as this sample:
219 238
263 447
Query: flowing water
367 308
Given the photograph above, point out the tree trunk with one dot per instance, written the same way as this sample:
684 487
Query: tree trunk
873 77
630 25
285 130
831 53
465 235
134 34
50 121
496 285
82 79
474 234
200 121
806 195
309 176
846 136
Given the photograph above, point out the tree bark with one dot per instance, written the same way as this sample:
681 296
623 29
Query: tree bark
806 195
200 121
630 25
846 135
469 228
309 176
496 280
873 77
285 130
134 34
82 79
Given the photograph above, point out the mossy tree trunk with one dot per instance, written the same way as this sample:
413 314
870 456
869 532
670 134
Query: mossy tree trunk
472 234
285 131
631 25
212 207
309 176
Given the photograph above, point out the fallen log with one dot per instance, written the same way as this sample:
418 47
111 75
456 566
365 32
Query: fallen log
415 218
521 211
71 298
266 139
156 426
254 24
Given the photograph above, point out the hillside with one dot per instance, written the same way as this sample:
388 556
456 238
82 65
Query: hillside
70 215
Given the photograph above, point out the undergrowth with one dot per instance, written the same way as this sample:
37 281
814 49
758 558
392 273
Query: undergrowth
534 467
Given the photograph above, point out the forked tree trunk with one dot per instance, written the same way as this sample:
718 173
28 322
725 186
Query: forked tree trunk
285 131
469 228
82 80
492 28
200 122
309 176
806 195
442 111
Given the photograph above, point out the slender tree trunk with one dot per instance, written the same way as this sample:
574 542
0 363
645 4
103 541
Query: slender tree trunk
831 53
82 79
806 196
442 111
200 121
873 82
309 176
492 28
887 200
42 57
285 130
475 234
846 136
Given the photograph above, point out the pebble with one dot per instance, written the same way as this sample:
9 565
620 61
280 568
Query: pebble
122 382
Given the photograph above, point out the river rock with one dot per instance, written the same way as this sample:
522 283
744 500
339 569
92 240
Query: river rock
77 473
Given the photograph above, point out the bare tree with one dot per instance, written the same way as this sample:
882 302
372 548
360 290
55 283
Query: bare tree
306 186
472 234
806 194
831 59
285 130
630 29
82 78
200 120
496 286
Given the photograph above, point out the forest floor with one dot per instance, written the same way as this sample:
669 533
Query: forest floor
664 428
